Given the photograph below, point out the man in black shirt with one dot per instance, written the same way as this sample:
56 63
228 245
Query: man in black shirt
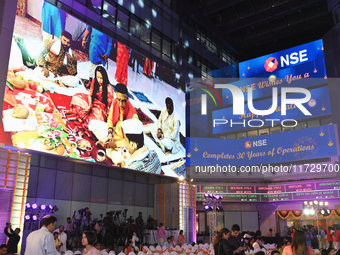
14 238
235 240
140 227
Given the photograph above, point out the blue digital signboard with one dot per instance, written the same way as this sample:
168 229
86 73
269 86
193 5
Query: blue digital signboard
303 76
318 105
274 62
297 145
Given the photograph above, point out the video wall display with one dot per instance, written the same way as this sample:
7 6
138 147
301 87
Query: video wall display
75 92
274 192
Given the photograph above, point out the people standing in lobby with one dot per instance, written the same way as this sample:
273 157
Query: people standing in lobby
235 240
336 238
134 239
323 239
181 238
68 229
160 234
299 245
330 234
63 239
98 230
221 244
140 227
293 232
41 242
308 238
270 233
14 238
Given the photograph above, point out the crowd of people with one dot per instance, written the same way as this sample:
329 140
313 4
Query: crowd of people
232 242
49 239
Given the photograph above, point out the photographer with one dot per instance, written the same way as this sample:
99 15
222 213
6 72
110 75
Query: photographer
14 238
87 219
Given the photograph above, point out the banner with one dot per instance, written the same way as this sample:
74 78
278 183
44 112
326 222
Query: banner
302 76
303 144
318 105
267 64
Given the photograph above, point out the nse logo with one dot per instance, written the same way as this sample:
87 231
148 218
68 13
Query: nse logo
289 59
259 143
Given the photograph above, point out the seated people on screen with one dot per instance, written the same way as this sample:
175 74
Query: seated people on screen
58 62
99 49
167 133
96 104
135 155
121 109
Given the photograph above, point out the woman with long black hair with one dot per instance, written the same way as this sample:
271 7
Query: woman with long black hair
96 104
221 245
299 245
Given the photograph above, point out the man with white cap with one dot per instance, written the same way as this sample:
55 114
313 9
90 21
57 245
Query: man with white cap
135 154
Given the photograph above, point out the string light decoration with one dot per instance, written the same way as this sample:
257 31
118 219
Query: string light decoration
212 204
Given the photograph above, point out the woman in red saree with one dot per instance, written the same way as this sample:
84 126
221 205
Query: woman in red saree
96 104
122 61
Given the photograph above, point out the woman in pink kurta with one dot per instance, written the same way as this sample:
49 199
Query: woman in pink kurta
299 245
89 238
181 238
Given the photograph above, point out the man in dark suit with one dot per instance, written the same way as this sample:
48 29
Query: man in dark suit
235 240
14 238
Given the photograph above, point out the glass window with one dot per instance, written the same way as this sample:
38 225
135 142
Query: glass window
231 136
134 27
95 5
264 131
166 49
313 123
122 20
156 41
191 56
167 3
301 125
275 130
185 52
241 135
82 1
109 12
145 35
175 48
252 133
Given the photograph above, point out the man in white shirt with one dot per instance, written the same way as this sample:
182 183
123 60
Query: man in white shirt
41 242
63 239
167 133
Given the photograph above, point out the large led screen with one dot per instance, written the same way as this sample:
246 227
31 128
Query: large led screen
73 91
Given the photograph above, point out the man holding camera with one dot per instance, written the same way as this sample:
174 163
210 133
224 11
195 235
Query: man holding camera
14 238
87 219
